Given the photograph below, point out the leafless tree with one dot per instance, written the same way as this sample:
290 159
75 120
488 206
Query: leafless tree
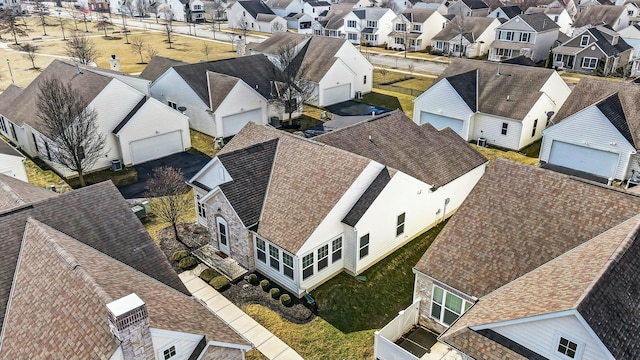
141 8
206 50
411 67
292 87
103 24
138 46
277 27
9 25
402 29
41 10
76 16
215 11
81 48
389 4
232 39
383 72
171 196
150 51
71 126
168 24
461 28
243 25
30 53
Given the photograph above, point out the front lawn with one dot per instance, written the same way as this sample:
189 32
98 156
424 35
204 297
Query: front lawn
350 310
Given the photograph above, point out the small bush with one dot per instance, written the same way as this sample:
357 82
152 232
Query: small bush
264 284
179 255
208 274
188 263
436 52
275 293
285 299
252 279
219 282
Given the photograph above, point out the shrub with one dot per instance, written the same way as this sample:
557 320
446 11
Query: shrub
253 279
188 263
275 293
208 274
285 299
179 255
219 282
264 284
436 52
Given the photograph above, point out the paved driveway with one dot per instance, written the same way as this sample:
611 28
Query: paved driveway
190 164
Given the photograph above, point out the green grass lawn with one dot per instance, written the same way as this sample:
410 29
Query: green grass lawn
350 310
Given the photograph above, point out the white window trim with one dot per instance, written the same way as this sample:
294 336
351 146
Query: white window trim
221 220
312 265
582 40
399 224
440 320
360 247
326 256
176 344
582 63
172 104
556 342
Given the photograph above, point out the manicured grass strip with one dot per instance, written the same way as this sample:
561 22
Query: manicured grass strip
492 154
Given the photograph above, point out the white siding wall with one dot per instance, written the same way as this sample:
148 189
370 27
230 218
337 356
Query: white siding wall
171 87
544 42
338 74
442 99
431 27
240 99
349 245
13 166
185 343
491 127
359 65
277 275
589 128
487 37
213 174
23 138
541 336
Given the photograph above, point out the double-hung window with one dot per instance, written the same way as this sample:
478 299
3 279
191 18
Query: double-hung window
202 212
401 27
535 126
372 23
447 307
351 23
274 257
261 250
336 250
525 37
364 246
589 63
584 40
323 257
287 265
505 128
400 224
307 266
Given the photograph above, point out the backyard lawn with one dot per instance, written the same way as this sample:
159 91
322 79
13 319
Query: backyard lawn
350 310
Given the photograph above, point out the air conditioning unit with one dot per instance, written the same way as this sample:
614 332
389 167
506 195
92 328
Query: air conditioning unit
558 64
274 121
116 165
482 142
358 94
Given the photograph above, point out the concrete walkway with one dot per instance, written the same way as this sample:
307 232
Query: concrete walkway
261 338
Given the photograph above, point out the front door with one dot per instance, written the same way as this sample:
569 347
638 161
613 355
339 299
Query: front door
223 236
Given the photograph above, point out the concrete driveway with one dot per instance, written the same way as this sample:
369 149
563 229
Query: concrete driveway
189 163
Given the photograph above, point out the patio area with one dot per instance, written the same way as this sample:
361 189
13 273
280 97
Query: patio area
417 341
210 256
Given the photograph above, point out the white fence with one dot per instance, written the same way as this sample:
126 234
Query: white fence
384 347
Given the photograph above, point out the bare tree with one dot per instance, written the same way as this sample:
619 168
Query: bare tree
103 24
76 16
383 72
411 67
141 8
243 25
9 25
81 48
232 38
292 87
172 202
168 24
41 10
389 4
30 53
71 125
150 51
138 46
206 50
460 26
277 27
215 11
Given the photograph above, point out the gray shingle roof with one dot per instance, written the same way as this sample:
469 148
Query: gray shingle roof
255 7
157 66
8 96
418 15
521 84
15 193
511 11
474 26
603 36
517 218
475 4
7 149
598 15
539 22
335 16
219 87
368 197
432 156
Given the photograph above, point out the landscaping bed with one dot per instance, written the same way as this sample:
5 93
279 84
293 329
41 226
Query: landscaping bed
193 235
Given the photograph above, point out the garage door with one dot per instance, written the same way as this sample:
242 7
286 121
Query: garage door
233 123
336 94
440 122
593 161
156 147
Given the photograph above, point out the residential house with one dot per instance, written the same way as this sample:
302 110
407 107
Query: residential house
469 8
532 35
157 66
195 11
11 160
633 10
559 15
100 264
337 69
315 8
12 5
437 5
360 210
415 28
596 131
614 16
517 258
596 50
469 39
506 12
220 97
358 3
300 23
340 22
374 25
495 103
254 15
136 128
631 35
283 8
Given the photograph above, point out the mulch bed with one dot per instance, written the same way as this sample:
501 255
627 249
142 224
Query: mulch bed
240 293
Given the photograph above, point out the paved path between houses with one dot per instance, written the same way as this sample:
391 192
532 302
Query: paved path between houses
261 338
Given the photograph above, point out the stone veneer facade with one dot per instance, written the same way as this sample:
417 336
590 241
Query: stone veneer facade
240 239
222 353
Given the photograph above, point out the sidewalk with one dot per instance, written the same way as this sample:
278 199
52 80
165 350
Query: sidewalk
261 338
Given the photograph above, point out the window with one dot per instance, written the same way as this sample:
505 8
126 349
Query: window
364 80
505 126
400 224
555 18
274 257
35 141
503 52
446 307
535 125
558 57
567 347
336 250
440 45
317 32
505 35
364 246
222 231
3 126
525 37
401 27
307 266
13 132
584 41
287 265
201 210
351 23
400 41
172 104
589 63
372 23
197 7
323 257
262 250
169 353
417 27
352 36
46 146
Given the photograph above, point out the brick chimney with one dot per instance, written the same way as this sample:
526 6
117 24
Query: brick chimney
129 323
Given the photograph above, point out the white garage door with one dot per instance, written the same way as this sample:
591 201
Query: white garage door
593 161
336 94
233 123
156 147
440 122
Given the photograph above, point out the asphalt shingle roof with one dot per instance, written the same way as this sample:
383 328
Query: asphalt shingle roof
511 11
418 15
539 22
598 15
368 197
475 4
14 192
7 149
255 7
474 26
157 66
